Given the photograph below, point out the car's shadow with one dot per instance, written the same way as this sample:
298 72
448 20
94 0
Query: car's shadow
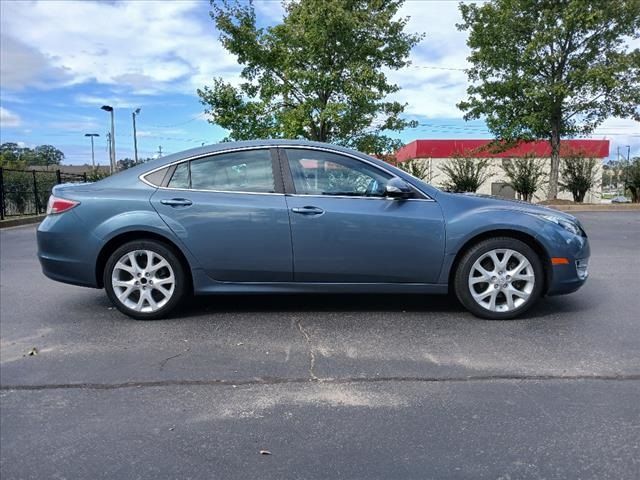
447 305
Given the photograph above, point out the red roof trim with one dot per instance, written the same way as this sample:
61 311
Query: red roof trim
478 149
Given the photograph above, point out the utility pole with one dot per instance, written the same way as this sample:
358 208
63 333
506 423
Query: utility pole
93 158
135 138
109 108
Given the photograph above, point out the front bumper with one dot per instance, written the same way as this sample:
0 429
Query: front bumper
569 277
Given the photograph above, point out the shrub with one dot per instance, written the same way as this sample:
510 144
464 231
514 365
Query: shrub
578 175
632 179
465 174
525 175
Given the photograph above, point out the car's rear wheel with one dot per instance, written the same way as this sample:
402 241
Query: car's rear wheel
144 279
499 278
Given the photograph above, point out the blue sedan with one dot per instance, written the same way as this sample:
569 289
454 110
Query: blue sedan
279 216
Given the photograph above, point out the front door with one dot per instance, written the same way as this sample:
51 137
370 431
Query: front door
229 213
345 230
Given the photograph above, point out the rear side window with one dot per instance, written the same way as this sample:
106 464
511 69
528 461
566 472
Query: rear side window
180 177
156 178
245 171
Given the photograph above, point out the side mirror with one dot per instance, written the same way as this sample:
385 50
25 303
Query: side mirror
397 188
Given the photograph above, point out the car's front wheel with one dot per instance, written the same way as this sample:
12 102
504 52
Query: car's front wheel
144 279
499 278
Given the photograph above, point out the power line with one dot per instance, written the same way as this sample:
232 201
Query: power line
200 115
431 67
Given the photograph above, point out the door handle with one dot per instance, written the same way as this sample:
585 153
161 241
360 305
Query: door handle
308 210
177 202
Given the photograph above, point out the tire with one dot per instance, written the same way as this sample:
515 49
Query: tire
507 292
140 291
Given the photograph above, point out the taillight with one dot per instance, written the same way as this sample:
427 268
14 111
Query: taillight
59 205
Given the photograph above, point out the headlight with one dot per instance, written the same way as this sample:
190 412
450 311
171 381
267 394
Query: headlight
568 225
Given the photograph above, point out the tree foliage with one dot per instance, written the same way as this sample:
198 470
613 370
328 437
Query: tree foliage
46 155
14 156
317 75
578 175
544 69
465 174
525 175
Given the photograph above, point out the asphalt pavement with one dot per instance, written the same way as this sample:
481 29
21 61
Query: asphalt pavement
384 386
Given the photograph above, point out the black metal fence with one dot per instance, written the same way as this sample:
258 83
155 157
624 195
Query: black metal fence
26 192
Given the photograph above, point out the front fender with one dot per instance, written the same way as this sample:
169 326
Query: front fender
463 228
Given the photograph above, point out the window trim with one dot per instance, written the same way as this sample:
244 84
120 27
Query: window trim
290 189
275 168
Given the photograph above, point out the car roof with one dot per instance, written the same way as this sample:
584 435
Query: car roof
217 147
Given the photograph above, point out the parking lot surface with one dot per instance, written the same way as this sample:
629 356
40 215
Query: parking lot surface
397 386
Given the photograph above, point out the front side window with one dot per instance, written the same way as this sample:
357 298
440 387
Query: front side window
244 171
323 173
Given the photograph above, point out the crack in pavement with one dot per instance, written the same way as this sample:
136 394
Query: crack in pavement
331 381
164 362
312 355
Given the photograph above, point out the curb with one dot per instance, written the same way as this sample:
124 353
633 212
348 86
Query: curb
16 222
630 207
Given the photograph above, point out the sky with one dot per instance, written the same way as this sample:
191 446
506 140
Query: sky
62 60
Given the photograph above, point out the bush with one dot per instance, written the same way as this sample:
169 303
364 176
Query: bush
525 175
417 168
465 174
631 175
96 174
578 175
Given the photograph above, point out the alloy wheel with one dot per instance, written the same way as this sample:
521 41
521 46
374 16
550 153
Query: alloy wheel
501 280
143 281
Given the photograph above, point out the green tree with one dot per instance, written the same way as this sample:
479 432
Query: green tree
578 175
525 175
544 69
465 173
14 156
317 75
47 155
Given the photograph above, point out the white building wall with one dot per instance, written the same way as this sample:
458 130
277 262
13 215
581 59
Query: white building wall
437 177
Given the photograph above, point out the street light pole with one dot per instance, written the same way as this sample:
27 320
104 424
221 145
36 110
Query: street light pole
109 108
109 146
135 137
93 158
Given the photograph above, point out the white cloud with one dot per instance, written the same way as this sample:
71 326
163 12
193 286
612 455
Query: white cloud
8 119
428 86
24 66
114 101
146 47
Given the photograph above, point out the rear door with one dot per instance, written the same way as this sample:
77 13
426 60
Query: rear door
229 210
345 230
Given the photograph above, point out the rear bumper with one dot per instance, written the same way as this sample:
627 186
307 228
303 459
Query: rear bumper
66 251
